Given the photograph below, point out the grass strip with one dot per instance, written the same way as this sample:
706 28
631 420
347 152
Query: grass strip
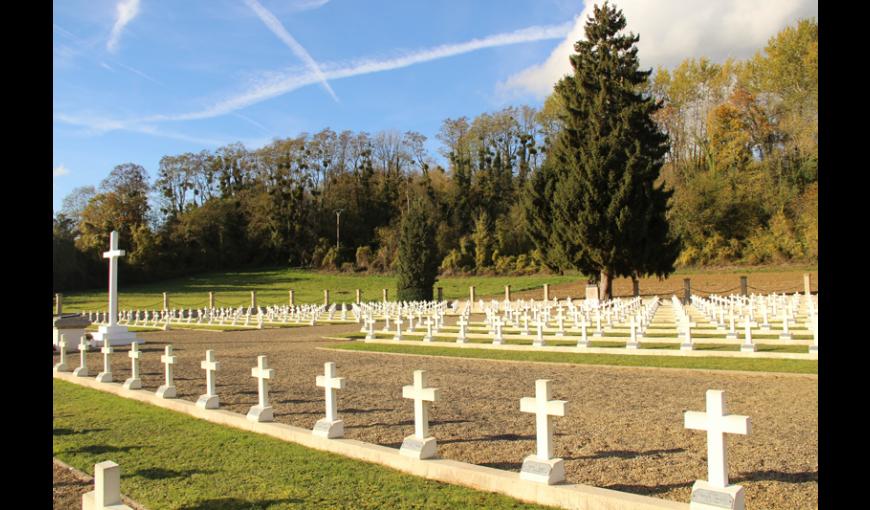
172 461
706 363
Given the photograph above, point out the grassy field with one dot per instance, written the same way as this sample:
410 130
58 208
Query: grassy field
712 363
272 286
172 461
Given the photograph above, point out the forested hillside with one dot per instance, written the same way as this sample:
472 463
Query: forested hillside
742 164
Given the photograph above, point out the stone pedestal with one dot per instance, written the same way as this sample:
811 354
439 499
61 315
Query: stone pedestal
747 348
104 377
328 428
260 413
208 402
708 497
417 448
686 346
72 326
107 489
592 293
550 471
133 383
165 391
115 335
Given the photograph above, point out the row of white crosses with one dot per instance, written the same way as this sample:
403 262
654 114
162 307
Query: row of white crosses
541 466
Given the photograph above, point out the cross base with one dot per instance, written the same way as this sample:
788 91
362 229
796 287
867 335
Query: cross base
709 497
104 377
418 448
631 345
370 336
551 471
747 348
328 428
731 336
814 349
80 372
582 345
89 502
785 336
133 383
397 337
427 338
208 402
62 367
462 340
498 341
260 414
538 343
686 346
115 335
165 391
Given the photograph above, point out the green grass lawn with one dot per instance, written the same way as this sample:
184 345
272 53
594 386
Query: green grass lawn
272 286
172 461
711 363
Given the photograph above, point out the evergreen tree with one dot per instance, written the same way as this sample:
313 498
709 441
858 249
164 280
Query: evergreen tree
418 262
607 214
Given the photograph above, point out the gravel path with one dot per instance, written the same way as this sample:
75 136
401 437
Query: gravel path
623 428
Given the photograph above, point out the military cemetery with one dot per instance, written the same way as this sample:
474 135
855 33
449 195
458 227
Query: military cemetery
567 309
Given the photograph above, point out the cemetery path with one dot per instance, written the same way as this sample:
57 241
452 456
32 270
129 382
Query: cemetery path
623 428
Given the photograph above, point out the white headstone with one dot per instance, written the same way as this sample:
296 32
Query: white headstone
210 399
167 390
331 426
107 489
542 467
134 382
61 364
419 445
106 375
262 411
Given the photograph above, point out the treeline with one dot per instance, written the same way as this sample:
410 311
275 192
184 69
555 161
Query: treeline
742 164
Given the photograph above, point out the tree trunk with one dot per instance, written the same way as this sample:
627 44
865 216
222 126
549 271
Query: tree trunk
606 289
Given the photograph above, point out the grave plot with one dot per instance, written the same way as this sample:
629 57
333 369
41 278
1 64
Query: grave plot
623 429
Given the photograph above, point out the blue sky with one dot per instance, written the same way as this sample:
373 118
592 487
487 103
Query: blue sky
135 80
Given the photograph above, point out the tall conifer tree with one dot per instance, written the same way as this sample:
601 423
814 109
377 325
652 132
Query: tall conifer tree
418 255
604 214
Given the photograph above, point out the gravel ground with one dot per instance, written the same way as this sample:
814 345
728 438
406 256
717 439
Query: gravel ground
69 486
623 427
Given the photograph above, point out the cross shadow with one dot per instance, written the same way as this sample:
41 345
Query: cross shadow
506 466
627 454
101 448
369 425
646 490
67 432
353 410
778 476
238 503
160 474
296 401
496 437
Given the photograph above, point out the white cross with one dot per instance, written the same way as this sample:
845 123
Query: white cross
168 359
420 395
717 424
62 347
263 373
83 350
107 350
330 383
747 331
113 255
398 328
462 323
134 356
498 338
544 410
210 366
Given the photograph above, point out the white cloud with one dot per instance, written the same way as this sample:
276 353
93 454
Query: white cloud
60 170
673 30
127 10
278 29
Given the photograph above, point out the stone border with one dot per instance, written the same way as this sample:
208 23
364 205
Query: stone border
481 478
600 350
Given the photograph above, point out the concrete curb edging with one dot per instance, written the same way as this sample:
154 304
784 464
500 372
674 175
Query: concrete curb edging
574 496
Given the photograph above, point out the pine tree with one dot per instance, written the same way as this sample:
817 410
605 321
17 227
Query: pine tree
596 198
418 258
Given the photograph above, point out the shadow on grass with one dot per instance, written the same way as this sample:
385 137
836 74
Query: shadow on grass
67 432
102 448
161 474
238 503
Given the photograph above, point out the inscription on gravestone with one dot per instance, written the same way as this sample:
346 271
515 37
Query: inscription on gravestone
412 444
537 468
321 426
711 498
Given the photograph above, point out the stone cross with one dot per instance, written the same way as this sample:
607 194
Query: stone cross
497 339
331 426
785 335
460 339
167 390
814 348
419 445
542 466
106 375
262 411
539 333
428 337
370 332
82 370
61 365
113 255
717 424
747 346
107 488
632 340
134 382
584 340
398 328
210 400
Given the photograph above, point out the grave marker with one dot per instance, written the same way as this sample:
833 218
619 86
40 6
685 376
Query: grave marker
542 467
107 489
262 411
210 400
329 427
167 390
106 375
134 382
419 445
82 370
61 365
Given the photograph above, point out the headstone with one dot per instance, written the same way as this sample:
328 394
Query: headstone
460 338
134 382
420 445
262 411
398 335
497 339
210 400
384 292
592 294
539 333
61 365
329 427
253 299
715 491
106 375
112 333
82 370
814 348
107 489
70 325
632 339
747 346
167 390
542 467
